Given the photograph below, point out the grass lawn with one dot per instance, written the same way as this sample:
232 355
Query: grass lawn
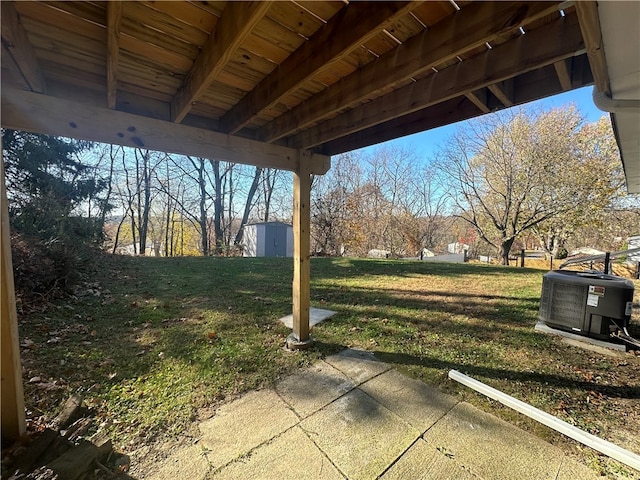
156 343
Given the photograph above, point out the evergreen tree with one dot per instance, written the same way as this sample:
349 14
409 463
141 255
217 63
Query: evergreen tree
45 184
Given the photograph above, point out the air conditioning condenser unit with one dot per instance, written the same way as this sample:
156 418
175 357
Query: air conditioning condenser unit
587 303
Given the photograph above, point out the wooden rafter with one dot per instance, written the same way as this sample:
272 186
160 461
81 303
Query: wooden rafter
53 116
544 46
587 12
469 28
479 99
15 40
527 87
503 91
444 113
563 73
236 23
13 75
350 28
114 15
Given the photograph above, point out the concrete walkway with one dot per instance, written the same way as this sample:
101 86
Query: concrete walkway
353 417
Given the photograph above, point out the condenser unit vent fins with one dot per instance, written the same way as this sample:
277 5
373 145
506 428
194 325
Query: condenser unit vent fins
567 304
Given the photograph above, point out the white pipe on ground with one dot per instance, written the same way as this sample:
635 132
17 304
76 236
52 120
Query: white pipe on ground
603 446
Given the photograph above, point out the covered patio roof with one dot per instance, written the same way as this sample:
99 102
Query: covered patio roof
287 84
324 76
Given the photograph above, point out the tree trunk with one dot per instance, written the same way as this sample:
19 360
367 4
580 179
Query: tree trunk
203 208
217 205
105 208
117 238
146 205
269 180
247 205
504 249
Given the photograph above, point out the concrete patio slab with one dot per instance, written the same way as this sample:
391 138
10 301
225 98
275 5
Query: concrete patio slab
186 462
353 417
359 365
418 404
316 316
424 462
493 448
240 426
360 436
291 456
313 388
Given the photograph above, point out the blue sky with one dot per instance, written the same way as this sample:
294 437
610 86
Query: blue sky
425 143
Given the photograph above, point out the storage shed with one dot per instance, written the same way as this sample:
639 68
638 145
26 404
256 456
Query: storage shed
269 239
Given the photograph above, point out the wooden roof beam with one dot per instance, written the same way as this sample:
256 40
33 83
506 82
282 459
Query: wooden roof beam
15 40
352 26
529 86
114 15
38 113
471 27
445 113
236 23
587 12
543 46
564 75
503 91
479 99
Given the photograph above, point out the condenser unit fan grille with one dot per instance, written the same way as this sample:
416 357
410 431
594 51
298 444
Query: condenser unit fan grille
567 304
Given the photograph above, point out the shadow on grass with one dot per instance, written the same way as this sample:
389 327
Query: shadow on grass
546 379
495 308
353 267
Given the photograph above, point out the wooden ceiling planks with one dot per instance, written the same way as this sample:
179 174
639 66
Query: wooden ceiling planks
187 13
44 14
18 45
295 19
234 26
494 68
335 40
433 47
158 20
430 13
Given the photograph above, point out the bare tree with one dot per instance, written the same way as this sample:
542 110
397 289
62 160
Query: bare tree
202 220
269 178
425 218
143 181
510 172
248 204
218 196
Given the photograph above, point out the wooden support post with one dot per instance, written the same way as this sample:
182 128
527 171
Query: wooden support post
13 418
300 337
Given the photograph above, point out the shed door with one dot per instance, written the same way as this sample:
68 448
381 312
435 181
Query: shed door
275 241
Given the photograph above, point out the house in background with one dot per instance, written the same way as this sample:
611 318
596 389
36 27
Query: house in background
270 239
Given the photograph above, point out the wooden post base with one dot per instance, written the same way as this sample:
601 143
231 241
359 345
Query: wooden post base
294 343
